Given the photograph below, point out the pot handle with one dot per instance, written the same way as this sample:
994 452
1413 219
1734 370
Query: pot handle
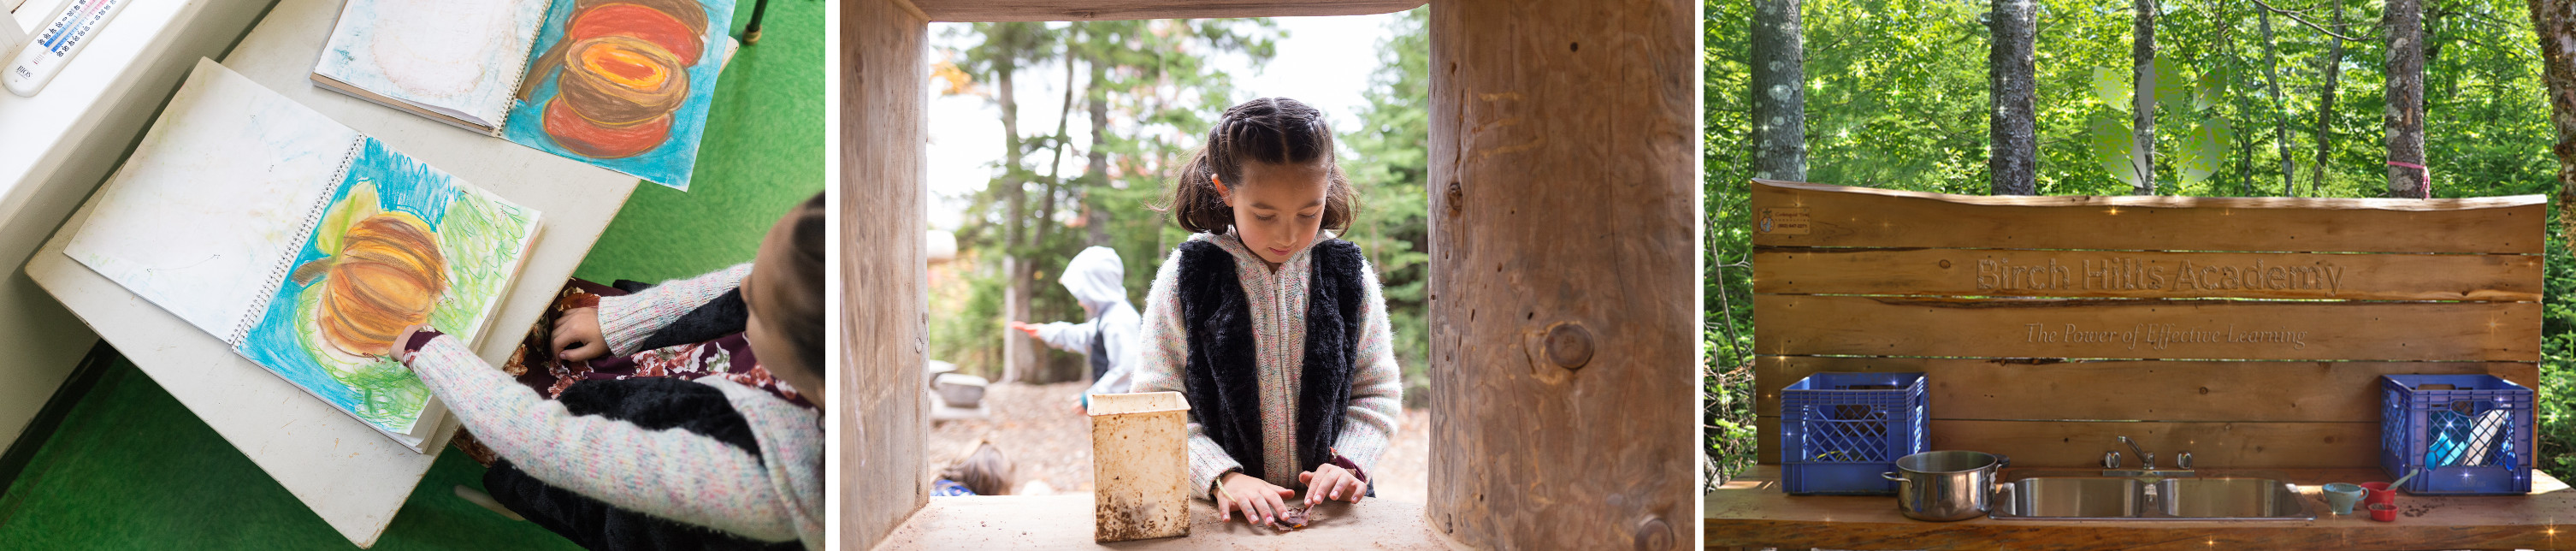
1891 477
2002 461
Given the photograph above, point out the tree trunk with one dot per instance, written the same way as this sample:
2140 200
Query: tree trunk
2333 68
2404 24
2280 120
2555 23
1096 99
1018 352
2142 106
1577 378
2012 163
1779 92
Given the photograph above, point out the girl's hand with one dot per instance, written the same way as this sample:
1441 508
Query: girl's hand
578 326
1260 501
1331 481
1025 327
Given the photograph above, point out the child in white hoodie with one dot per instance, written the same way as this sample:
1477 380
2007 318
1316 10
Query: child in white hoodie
1096 277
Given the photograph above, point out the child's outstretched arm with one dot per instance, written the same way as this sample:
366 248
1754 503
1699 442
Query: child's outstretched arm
1069 337
625 321
670 473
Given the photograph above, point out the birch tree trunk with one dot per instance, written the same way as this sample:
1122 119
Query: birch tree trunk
2404 24
2555 23
1779 91
2142 91
2012 163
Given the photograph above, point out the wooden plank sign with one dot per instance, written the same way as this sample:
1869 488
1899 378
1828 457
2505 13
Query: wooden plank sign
2247 331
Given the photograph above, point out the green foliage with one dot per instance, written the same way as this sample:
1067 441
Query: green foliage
1897 98
1390 162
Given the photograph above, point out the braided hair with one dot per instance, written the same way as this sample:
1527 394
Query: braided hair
1275 131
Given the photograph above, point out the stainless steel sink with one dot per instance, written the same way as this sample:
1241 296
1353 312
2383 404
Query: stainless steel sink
2094 496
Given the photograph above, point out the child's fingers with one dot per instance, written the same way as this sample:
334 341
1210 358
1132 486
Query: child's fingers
1224 506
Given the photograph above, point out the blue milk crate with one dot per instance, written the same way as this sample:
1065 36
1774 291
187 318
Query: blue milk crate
1839 431
2475 439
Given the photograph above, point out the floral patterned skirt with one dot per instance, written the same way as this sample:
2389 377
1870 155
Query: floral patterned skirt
534 364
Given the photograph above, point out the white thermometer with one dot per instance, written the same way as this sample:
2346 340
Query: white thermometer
55 45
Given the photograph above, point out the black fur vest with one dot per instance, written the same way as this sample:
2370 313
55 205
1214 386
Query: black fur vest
1223 377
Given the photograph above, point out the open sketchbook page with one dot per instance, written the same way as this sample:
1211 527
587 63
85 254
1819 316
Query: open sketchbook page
400 244
204 211
460 58
624 85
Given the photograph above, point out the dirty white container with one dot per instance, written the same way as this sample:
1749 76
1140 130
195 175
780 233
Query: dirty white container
1140 466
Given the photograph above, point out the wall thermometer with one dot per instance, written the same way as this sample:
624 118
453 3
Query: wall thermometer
55 45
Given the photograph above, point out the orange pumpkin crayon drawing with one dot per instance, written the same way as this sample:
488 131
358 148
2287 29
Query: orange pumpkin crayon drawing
621 71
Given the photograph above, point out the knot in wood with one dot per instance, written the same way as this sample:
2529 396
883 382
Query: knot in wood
1654 534
1569 345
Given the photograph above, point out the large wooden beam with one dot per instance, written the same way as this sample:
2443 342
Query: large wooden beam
1562 275
1090 10
879 412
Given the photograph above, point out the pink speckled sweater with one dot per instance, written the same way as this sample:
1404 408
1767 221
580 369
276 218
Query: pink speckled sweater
1278 298
673 473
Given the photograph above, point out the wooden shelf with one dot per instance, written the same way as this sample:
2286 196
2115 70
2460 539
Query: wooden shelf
1751 511
1064 522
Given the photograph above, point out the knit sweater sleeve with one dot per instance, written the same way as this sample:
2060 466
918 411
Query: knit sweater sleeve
1377 387
1162 364
624 321
670 473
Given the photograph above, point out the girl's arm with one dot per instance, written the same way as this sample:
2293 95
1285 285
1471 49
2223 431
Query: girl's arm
1161 366
625 321
1069 337
1377 387
671 473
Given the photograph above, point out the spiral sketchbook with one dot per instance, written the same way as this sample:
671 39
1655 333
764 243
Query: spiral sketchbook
304 244
619 84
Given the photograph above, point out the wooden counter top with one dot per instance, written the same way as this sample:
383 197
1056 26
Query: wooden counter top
1751 511
1064 522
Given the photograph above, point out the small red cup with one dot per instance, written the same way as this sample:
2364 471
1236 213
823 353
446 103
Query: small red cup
2383 512
2379 493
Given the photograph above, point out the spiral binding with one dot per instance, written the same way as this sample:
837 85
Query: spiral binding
303 235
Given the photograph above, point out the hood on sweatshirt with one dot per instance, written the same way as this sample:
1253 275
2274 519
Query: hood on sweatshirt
1096 277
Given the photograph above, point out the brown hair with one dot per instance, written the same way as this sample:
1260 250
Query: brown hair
1278 131
799 320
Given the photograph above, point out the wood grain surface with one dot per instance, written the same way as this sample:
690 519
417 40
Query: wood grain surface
2147 328
1563 324
1864 217
1751 511
2146 274
1959 388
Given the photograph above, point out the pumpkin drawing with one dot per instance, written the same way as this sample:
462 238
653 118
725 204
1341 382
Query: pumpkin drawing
387 275
624 69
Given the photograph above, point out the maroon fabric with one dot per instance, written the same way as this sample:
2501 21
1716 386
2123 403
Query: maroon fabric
420 338
729 356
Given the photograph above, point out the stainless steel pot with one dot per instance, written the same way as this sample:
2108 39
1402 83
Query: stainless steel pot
1945 486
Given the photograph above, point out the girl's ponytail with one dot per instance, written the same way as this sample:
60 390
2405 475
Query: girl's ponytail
1278 131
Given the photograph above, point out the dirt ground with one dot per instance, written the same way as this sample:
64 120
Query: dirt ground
1049 442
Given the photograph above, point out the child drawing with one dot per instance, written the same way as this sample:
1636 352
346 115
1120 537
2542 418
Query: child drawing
600 465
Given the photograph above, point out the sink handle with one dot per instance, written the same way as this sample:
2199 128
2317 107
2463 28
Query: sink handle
1891 477
2111 460
2183 461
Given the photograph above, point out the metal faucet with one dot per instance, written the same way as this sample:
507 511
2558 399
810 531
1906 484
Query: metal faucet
2111 463
2148 458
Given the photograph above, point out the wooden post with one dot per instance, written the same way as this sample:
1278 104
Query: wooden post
1563 273
879 412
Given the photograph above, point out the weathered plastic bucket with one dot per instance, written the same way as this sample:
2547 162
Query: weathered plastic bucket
1140 466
